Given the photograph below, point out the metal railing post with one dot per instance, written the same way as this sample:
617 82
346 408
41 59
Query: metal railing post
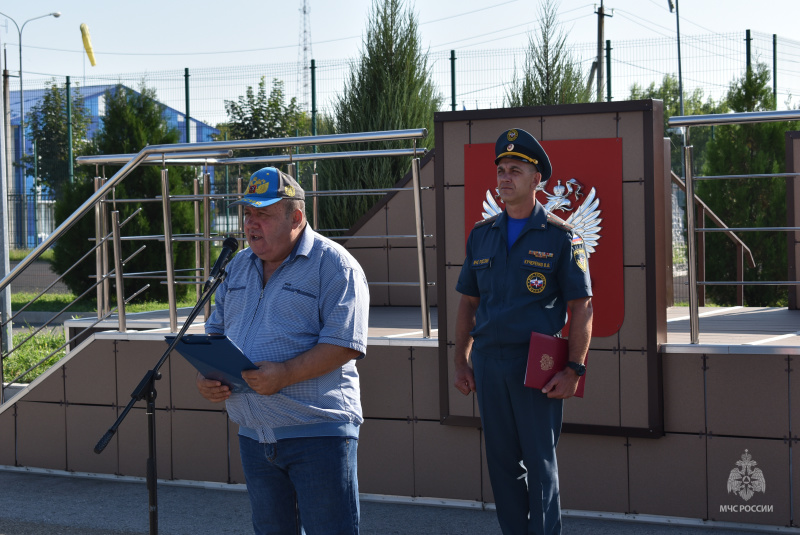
197 259
173 309
423 276
207 235
239 209
700 219
99 252
694 319
739 274
314 201
118 271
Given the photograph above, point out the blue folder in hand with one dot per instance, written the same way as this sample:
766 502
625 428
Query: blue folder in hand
216 357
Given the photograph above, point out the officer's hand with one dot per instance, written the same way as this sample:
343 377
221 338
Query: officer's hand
212 390
465 380
563 384
268 379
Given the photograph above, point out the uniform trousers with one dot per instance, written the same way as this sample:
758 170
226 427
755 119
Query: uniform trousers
521 429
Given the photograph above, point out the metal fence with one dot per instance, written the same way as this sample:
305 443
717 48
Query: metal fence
481 79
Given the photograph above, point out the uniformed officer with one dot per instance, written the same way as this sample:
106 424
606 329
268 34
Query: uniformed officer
523 271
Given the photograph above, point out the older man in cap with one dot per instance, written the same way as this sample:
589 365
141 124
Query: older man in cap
504 298
297 304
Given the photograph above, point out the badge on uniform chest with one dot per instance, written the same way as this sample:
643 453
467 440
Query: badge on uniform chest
536 282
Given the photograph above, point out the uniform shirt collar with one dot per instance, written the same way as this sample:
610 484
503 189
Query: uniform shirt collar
537 220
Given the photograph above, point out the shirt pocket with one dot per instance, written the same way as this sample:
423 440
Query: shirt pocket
537 282
480 269
295 305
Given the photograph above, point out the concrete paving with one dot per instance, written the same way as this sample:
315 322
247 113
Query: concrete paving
38 504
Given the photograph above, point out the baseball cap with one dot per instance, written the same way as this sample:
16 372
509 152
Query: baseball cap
268 186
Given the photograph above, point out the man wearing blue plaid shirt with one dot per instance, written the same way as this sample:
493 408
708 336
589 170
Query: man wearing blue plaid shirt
297 304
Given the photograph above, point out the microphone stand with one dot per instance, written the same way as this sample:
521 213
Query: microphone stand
147 390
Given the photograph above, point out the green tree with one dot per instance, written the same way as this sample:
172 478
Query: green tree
48 127
748 202
388 88
256 115
693 104
132 121
551 75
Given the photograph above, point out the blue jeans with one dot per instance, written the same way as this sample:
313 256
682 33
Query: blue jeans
302 485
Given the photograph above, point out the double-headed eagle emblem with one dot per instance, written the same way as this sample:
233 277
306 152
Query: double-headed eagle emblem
584 219
746 480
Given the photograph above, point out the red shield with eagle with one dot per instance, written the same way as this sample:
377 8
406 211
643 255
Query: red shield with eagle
579 166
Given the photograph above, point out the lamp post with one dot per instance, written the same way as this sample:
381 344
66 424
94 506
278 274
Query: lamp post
55 14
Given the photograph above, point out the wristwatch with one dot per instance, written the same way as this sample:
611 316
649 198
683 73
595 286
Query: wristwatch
580 369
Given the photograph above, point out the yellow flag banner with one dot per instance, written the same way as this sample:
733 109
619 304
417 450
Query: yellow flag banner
87 43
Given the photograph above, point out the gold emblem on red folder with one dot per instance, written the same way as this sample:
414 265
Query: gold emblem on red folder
546 362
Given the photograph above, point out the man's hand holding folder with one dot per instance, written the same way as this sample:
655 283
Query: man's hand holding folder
547 368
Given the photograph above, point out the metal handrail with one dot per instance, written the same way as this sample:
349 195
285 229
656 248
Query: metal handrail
714 120
177 148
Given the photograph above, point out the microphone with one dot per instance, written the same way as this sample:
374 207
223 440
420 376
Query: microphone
229 246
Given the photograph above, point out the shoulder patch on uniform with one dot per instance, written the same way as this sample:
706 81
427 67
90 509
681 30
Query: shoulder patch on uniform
486 221
558 222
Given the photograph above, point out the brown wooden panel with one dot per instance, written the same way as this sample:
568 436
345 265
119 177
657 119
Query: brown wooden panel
454 231
86 425
374 226
386 457
633 333
748 395
41 436
633 389
8 437
590 126
631 130
684 402
655 489
772 458
460 405
450 450
134 359
587 458
385 378
50 389
375 264
456 135
600 404
235 456
425 377
403 267
633 217
488 130
206 463
90 376
133 444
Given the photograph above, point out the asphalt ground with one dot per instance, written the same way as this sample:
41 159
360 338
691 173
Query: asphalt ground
43 504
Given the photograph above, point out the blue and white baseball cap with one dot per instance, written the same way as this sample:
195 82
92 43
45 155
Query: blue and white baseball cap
268 186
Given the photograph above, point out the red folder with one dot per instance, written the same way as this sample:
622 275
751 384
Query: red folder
548 355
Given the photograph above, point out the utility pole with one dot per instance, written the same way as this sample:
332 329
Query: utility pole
601 15
305 38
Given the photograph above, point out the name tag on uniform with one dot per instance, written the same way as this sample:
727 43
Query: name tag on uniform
532 263
479 263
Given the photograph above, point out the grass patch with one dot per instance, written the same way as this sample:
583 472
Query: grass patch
56 302
15 255
32 352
